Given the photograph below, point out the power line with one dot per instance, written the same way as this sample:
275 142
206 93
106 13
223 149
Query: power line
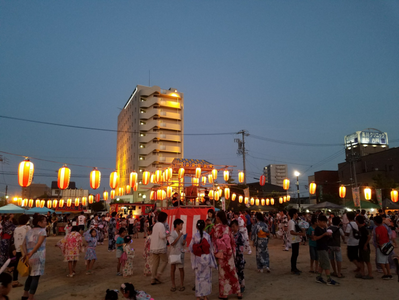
266 159
293 143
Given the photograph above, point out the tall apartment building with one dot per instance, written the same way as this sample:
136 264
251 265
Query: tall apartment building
275 174
150 134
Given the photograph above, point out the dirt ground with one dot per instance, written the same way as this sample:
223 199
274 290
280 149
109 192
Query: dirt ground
279 284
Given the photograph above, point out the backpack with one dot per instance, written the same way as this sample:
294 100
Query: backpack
356 233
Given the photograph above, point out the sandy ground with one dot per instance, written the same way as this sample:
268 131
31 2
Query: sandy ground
279 284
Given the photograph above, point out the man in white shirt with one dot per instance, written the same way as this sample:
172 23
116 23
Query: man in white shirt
295 234
81 221
352 243
19 237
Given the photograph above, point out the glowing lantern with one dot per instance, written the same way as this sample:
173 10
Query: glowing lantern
95 179
25 173
286 184
216 196
152 195
69 202
312 188
210 178
240 198
220 192
198 172
342 191
233 197
262 201
161 195
181 173
257 201
91 199
19 201
114 180
280 200
42 203
128 189
262 180
271 201
158 176
98 197
211 194
284 199
112 194
195 181
37 203
215 174
146 177
55 202
133 178
227 193
226 175
84 201
267 201
105 196
367 193
169 191
252 201
288 197
169 173
203 180
241 177
246 200
394 196
61 203
49 203
77 201
152 178
121 191
64 175
135 187
24 202
15 199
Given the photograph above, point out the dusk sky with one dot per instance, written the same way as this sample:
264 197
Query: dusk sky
304 72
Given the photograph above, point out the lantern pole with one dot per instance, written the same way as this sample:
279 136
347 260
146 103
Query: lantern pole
297 188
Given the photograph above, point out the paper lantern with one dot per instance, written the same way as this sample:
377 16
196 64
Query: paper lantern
210 194
227 193
195 181
19 201
55 202
262 201
112 194
216 196
69 202
342 191
169 191
42 203
394 196
198 172
64 175
105 196
203 180
121 191
169 173
133 178
61 203
146 177
158 176
233 197
128 189
114 180
241 177
95 179
98 197
280 200
49 202
367 193
286 184
312 188
288 197
285 199
257 201
152 195
271 201
267 201
152 178
262 180
246 200
252 201
24 202
25 173
215 174
91 199
84 201
181 173
37 203
240 198
135 187
226 175
220 192
77 202
161 194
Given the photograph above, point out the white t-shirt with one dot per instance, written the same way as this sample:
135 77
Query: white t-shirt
131 220
178 248
19 236
293 238
351 240
81 220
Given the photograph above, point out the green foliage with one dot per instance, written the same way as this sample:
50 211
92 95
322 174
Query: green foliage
97 206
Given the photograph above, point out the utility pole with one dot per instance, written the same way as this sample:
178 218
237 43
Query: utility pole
241 151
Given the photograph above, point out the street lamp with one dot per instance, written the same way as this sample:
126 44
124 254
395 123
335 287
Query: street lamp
296 173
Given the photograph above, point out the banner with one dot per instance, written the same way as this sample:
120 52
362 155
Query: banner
246 192
356 196
379 196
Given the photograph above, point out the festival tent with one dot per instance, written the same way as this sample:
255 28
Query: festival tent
41 210
388 204
325 205
363 204
12 209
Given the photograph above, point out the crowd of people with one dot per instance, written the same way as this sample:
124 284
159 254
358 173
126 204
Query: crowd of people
219 243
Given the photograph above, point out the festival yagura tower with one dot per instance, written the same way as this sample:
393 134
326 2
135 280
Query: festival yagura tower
150 134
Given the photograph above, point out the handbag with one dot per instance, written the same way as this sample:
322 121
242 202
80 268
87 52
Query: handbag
23 267
175 259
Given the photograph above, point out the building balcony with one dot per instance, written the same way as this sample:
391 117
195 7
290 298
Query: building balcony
160 124
156 147
161 102
159 113
157 159
161 137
